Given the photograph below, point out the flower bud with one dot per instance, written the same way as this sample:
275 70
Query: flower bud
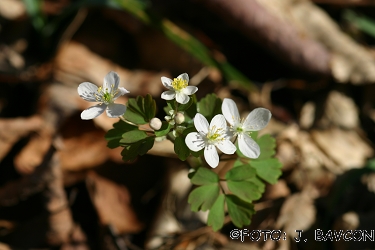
155 123
179 118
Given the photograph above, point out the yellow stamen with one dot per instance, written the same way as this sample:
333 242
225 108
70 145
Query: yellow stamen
179 84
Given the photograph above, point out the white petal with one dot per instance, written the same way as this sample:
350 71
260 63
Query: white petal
121 91
194 141
167 82
230 111
201 123
248 146
211 156
111 81
183 76
93 111
189 90
257 119
168 95
219 122
182 98
227 147
87 91
115 110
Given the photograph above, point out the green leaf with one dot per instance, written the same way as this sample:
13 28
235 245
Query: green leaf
181 149
216 215
260 184
140 110
239 210
134 117
267 146
247 191
133 136
149 107
203 176
269 170
240 173
130 152
209 106
165 128
203 197
113 136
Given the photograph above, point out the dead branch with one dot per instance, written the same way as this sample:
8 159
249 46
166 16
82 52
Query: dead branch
276 35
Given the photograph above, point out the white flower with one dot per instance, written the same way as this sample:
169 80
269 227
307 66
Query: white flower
178 88
106 95
256 120
209 136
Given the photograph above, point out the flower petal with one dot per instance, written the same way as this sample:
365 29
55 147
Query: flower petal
219 122
182 98
121 91
230 111
115 110
194 141
189 90
111 81
87 91
257 119
248 146
211 156
93 111
201 123
167 82
226 146
168 95
184 76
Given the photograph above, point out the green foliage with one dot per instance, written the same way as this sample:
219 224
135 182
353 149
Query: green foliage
133 136
209 106
269 169
203 176
240 173
203 197
113 136
239 210
140 110
165 128
131 151
216 215
267 146
365 24
181 149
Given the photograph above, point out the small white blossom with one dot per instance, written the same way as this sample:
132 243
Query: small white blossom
178 88
106 95
209 136
256 120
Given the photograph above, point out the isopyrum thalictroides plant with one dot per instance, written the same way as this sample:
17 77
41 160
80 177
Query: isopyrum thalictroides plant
207 129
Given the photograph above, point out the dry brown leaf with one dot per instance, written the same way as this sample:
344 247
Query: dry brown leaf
113 204
340 110
345 147
298 211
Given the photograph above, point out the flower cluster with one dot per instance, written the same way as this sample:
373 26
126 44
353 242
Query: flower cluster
217 134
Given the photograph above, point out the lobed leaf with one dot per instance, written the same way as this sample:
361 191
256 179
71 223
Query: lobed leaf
216 215
181 149
240 173
269 169
239 210
203 176
247 191
209 106
133 136
203 197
